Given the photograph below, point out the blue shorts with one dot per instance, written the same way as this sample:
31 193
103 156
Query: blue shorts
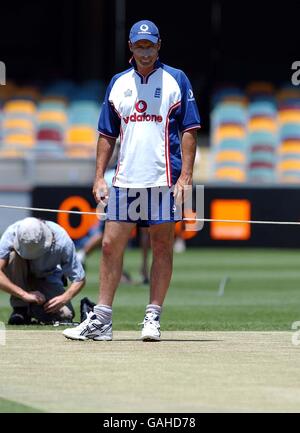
143 206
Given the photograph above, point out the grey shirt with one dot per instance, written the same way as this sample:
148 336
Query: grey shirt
60 259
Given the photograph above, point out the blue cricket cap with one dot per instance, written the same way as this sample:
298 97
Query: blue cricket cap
144 30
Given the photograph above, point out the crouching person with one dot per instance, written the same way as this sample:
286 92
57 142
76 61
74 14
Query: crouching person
37 258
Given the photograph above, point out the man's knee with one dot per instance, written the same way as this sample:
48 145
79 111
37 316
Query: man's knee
109 247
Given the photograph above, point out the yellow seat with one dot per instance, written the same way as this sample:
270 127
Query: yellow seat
81 135
52 116
20 140
289 146
20 106
289 164
18 124
262 124
228 131
289 116
230 155
230 173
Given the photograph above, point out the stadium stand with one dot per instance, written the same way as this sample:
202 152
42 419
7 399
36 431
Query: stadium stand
262 133
228 144
59 121
254 131
255 135
289 132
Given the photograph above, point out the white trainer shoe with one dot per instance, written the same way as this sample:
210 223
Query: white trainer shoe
90 329
151 329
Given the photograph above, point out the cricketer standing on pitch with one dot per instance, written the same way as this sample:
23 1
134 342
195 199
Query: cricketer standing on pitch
153 109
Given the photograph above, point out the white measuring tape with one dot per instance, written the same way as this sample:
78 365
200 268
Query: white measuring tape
294 223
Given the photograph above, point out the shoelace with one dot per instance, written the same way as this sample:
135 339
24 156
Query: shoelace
87 320
150 320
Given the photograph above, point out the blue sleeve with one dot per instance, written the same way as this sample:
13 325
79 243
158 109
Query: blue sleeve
109 121
6 244
71 266
188 114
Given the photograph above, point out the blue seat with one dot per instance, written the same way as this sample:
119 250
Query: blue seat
289 130
262 108
230 113
262 137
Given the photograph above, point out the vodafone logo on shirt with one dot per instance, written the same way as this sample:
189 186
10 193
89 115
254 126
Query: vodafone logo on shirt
141 108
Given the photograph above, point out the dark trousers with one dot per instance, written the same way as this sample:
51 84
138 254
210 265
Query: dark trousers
17 271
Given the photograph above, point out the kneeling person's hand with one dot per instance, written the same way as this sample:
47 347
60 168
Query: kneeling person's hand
35 297
55 304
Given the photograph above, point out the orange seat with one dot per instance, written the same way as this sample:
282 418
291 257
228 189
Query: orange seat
230 155
18 124
52 116
262 124
230 173
84 135
20 106
289 116
25 140
289 164
289 146
228 131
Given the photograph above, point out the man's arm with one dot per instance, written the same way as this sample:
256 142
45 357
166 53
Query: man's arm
105 148
73 270
9 287
189 143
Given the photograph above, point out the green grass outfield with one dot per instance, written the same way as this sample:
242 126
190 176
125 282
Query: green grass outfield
262 293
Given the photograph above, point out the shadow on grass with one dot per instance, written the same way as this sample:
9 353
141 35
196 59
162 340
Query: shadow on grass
9 406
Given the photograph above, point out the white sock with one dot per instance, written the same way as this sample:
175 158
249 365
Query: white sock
103 313
152 308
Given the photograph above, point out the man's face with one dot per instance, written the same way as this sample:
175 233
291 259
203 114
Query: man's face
144 52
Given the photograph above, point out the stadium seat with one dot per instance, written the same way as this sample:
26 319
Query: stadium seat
82 135
19 107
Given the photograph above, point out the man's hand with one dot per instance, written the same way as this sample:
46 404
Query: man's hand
181 189
34 297
100 191
55 304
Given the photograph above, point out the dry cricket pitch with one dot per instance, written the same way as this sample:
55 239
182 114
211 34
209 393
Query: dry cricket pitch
185 372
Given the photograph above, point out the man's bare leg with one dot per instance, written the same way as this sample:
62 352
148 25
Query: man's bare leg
145 246
114 242
162 239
